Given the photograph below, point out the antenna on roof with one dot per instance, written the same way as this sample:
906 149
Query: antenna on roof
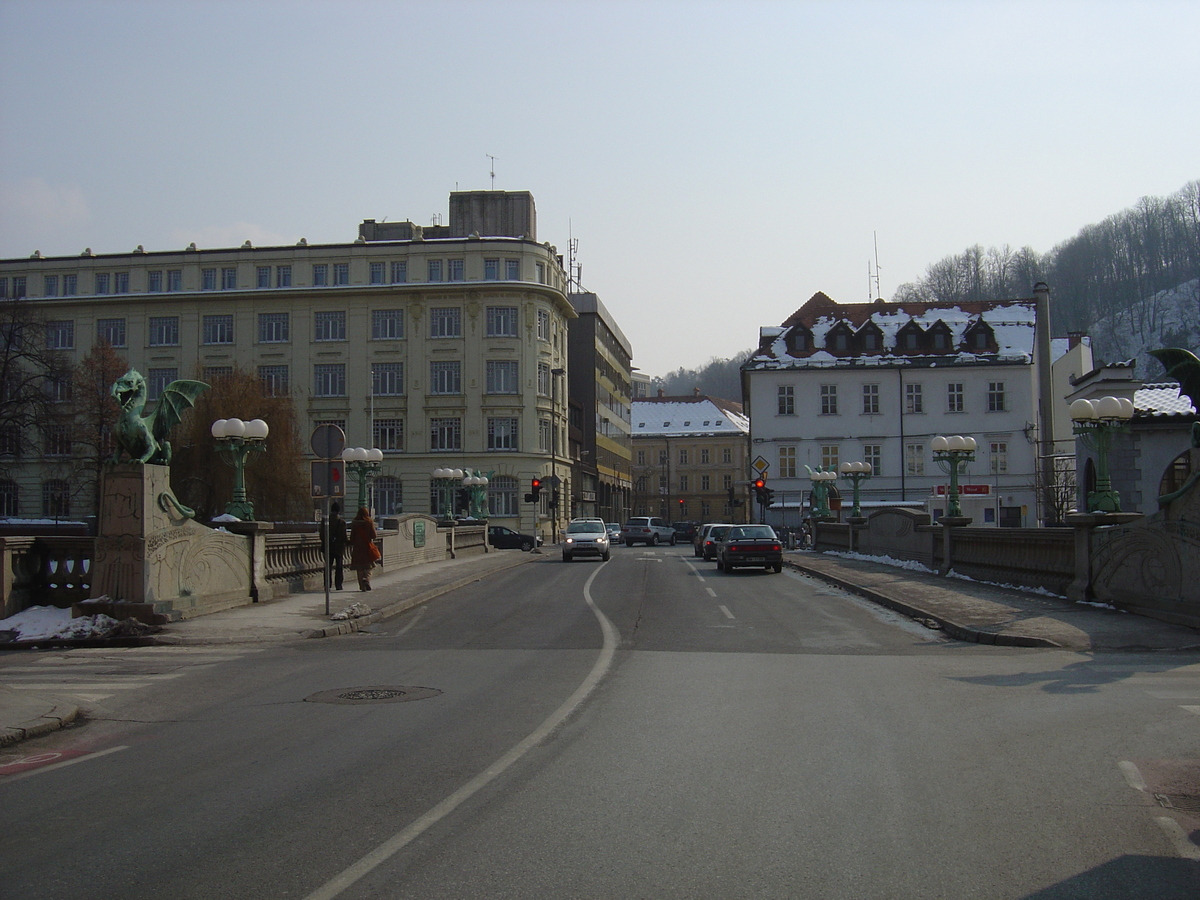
878 290
574 269
493 169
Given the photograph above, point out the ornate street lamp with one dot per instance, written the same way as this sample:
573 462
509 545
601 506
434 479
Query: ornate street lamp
856 473
476 483
952 454
821 480
364 466
237 441
1096 423
445 481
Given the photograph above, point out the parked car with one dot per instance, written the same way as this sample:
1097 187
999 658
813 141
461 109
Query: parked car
750 545
585 537
648 530
506 539
614 532
710 536
685 531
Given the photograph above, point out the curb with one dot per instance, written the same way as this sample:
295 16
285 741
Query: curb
44 724
951 628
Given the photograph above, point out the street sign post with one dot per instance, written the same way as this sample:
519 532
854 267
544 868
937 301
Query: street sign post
328 480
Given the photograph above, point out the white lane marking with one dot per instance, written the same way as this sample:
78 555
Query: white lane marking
711 592
649 559
415 619
65 762
1177 836
1175 695
1132 775
728 614
93 685
1192 709
404 837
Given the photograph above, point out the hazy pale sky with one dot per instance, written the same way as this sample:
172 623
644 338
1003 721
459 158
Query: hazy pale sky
717 162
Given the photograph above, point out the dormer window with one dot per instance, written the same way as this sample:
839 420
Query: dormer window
980 338
838 341
939 338
908 339
870 339
799 340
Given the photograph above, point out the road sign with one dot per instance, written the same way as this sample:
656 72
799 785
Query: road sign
328 441
328 477
760 465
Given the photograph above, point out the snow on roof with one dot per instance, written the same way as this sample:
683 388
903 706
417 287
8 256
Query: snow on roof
687 415
1162 400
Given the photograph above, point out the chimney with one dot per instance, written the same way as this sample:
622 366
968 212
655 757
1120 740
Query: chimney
695 392
1074 339
661 392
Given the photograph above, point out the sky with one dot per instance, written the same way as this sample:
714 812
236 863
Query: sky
716 163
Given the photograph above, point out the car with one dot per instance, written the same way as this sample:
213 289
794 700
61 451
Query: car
750 545
699 536
506 539
585 537
685 531
614 532
648 530
710 537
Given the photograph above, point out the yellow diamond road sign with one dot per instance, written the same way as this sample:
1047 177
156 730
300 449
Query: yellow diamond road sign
760 465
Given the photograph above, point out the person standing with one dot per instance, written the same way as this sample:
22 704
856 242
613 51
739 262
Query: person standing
363 552
337 543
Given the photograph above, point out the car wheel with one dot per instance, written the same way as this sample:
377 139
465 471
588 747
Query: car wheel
672 540
654 541
720 565
777 569
526 546
566 557
605 557
695 552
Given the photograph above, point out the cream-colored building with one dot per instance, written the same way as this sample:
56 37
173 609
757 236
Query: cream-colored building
435 344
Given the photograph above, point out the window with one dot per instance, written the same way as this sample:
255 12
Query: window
70 285
445 377
662 457
502 321
787 462
870 341
273 328
445 322
999 458
706 482
341 273
491 270
218 329
9 499
683 457
58 440
329 380
445 434
995 396
50 286
726 482
263 277
60 335
157 381
274 380
58 388
56 498
914 399
174 279
704 453
543 325
541 272
208 279
502 496
387 379
829 400
154 282
329 326
389 495
164 331
512 270
10 440
941 341
455 269
726 456
228 279
121 283
870 399
641 457
872 456
387 324
400 272
979 339
544 433
111 331
502 434
954 397
914 459
283 276
101 283
502 376
320 275
388 435
683 482
433 270
829 456
909 340
786 399
376 273
216 373
543 380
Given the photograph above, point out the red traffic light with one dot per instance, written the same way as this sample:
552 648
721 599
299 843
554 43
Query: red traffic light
759 484
537 483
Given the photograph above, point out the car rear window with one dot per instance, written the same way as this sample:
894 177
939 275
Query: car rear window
585 527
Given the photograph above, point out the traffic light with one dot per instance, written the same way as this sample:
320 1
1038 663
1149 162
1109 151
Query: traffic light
768 495
535 490
554 499
759 487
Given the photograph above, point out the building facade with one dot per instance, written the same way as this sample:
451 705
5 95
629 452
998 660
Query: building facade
690 459
443 346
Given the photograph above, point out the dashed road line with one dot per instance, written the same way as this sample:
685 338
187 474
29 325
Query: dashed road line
728 614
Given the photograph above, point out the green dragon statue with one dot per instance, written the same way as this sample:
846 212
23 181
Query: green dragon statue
144 438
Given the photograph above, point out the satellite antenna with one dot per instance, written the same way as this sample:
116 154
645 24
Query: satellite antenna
493 169
878 290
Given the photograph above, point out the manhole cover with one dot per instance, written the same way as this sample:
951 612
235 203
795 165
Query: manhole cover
1178 801
373 695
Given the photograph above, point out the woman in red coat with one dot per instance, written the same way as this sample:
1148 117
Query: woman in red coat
363 552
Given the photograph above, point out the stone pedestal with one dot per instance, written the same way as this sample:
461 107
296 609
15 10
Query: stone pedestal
1084 524
949 523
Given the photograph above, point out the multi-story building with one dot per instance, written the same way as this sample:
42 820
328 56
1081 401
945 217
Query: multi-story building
690 459
443 346
600 382
876 382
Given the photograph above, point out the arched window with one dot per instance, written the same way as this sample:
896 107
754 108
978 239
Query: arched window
9 499
389 496
502 496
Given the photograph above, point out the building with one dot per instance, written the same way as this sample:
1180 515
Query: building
876 382
690 459
443 346
600 383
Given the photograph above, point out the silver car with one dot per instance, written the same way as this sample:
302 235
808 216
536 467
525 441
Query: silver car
587 537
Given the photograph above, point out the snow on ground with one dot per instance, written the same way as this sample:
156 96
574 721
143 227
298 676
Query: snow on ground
41 623
918 567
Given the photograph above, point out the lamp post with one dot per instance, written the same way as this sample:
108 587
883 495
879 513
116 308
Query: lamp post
952 454
444 480
821 479
236 442
476 483
363 464
1096 422
447 481
856 473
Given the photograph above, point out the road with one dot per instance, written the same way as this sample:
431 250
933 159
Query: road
647 727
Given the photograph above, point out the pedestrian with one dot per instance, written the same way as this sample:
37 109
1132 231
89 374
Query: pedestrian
337 543
363 552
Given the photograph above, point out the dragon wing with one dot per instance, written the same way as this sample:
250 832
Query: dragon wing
1184 367
176 399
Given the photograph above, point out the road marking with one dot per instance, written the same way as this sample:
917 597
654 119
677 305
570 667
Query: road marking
414 620
1192 709
728 614
62 763
1176 835
404 837
711 592
649 559
1132 775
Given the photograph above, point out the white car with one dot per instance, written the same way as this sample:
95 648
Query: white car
585 537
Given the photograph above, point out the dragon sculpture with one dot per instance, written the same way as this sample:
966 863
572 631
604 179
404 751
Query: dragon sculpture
144 438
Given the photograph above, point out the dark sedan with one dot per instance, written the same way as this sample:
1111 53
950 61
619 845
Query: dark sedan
506 539
750 545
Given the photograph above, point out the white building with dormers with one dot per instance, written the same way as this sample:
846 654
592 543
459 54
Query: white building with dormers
876 382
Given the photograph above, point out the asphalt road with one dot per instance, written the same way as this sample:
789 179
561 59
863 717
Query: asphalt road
648 727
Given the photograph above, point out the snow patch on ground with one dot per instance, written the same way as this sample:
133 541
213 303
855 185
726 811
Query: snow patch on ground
918 567
42 623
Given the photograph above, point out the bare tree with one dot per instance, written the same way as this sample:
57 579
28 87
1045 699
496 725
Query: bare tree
95 414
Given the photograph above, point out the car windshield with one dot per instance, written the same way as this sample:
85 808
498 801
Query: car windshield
718 531
752 531
585 527
637 522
